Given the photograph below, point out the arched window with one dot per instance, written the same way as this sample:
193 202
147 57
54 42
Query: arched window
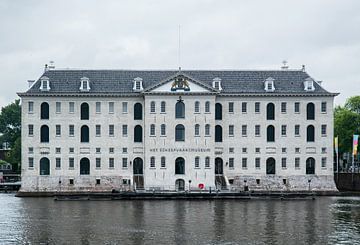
44 166
138 133
207 162
197 130
44 110
207 130
270 133
218 111
84 166
152 162
179 132
163 107
207 107
44 134
197 107
152 129
163 162
152 107
310 165
197 162
180 109
137 111
163 129
270 111
310 111
310 133
138 166
179 165
270 166
84 111
218 133
84 134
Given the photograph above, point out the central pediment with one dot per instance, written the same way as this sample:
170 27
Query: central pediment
180 83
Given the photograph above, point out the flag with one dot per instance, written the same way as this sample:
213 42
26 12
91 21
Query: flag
355 144
336 143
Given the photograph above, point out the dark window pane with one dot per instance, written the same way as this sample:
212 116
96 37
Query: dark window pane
310 111
138 133
44 134
84 111
270 111
218 111
44 111
84 166
180 133
310 133
137 111
270 133
179 165
180 109
84 134
218 133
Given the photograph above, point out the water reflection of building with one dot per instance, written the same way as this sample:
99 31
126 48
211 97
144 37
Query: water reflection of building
98 130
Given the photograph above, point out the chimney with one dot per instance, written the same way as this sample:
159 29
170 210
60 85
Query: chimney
303 68
51 65
319 82
285 65
31 82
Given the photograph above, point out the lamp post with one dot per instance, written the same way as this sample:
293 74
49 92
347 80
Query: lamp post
189 184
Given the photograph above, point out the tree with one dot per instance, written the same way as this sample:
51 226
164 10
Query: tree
10 130
347 123
10 123
353 104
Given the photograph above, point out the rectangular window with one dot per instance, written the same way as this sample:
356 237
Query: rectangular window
124 162
71 130
98 162
58 162
297 130
58 107
98 107
71 107
283 130
71 162
57 150
58 130
231 162
323 130
283 162
30 107
244 150
323 150
231 107
257 150
323 107
283 150
297 150
244 130
152 162
257 130
257 107
31 162
111 130
98 150
257 162
124 150
152 129
111 107
207 162
124 107
71 150
243 107
31 150
231 150
111 150
297 107
111 162
231 130
283 107
31 130
98 130
244 162
323 162
124 130
297 162
152 107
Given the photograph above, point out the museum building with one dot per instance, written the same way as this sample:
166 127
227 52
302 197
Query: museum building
175 130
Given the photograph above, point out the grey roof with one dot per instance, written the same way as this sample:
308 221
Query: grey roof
67 81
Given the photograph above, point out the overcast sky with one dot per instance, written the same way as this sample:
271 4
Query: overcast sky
323 34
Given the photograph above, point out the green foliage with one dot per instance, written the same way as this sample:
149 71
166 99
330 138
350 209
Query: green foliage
10 123
353 104
10 128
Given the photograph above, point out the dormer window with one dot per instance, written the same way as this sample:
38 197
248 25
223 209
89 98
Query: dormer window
309 85
84 84
45 84
269 85
217 83
138 86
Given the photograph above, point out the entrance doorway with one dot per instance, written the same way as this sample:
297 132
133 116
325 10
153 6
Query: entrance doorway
180 185
138 173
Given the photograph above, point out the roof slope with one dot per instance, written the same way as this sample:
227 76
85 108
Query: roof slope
121 81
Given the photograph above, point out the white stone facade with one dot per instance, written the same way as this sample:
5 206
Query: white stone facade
239 146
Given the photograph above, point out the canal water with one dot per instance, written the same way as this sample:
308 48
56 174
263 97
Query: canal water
326 220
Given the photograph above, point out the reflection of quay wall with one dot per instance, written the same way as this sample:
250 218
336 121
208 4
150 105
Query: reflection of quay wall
347 181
